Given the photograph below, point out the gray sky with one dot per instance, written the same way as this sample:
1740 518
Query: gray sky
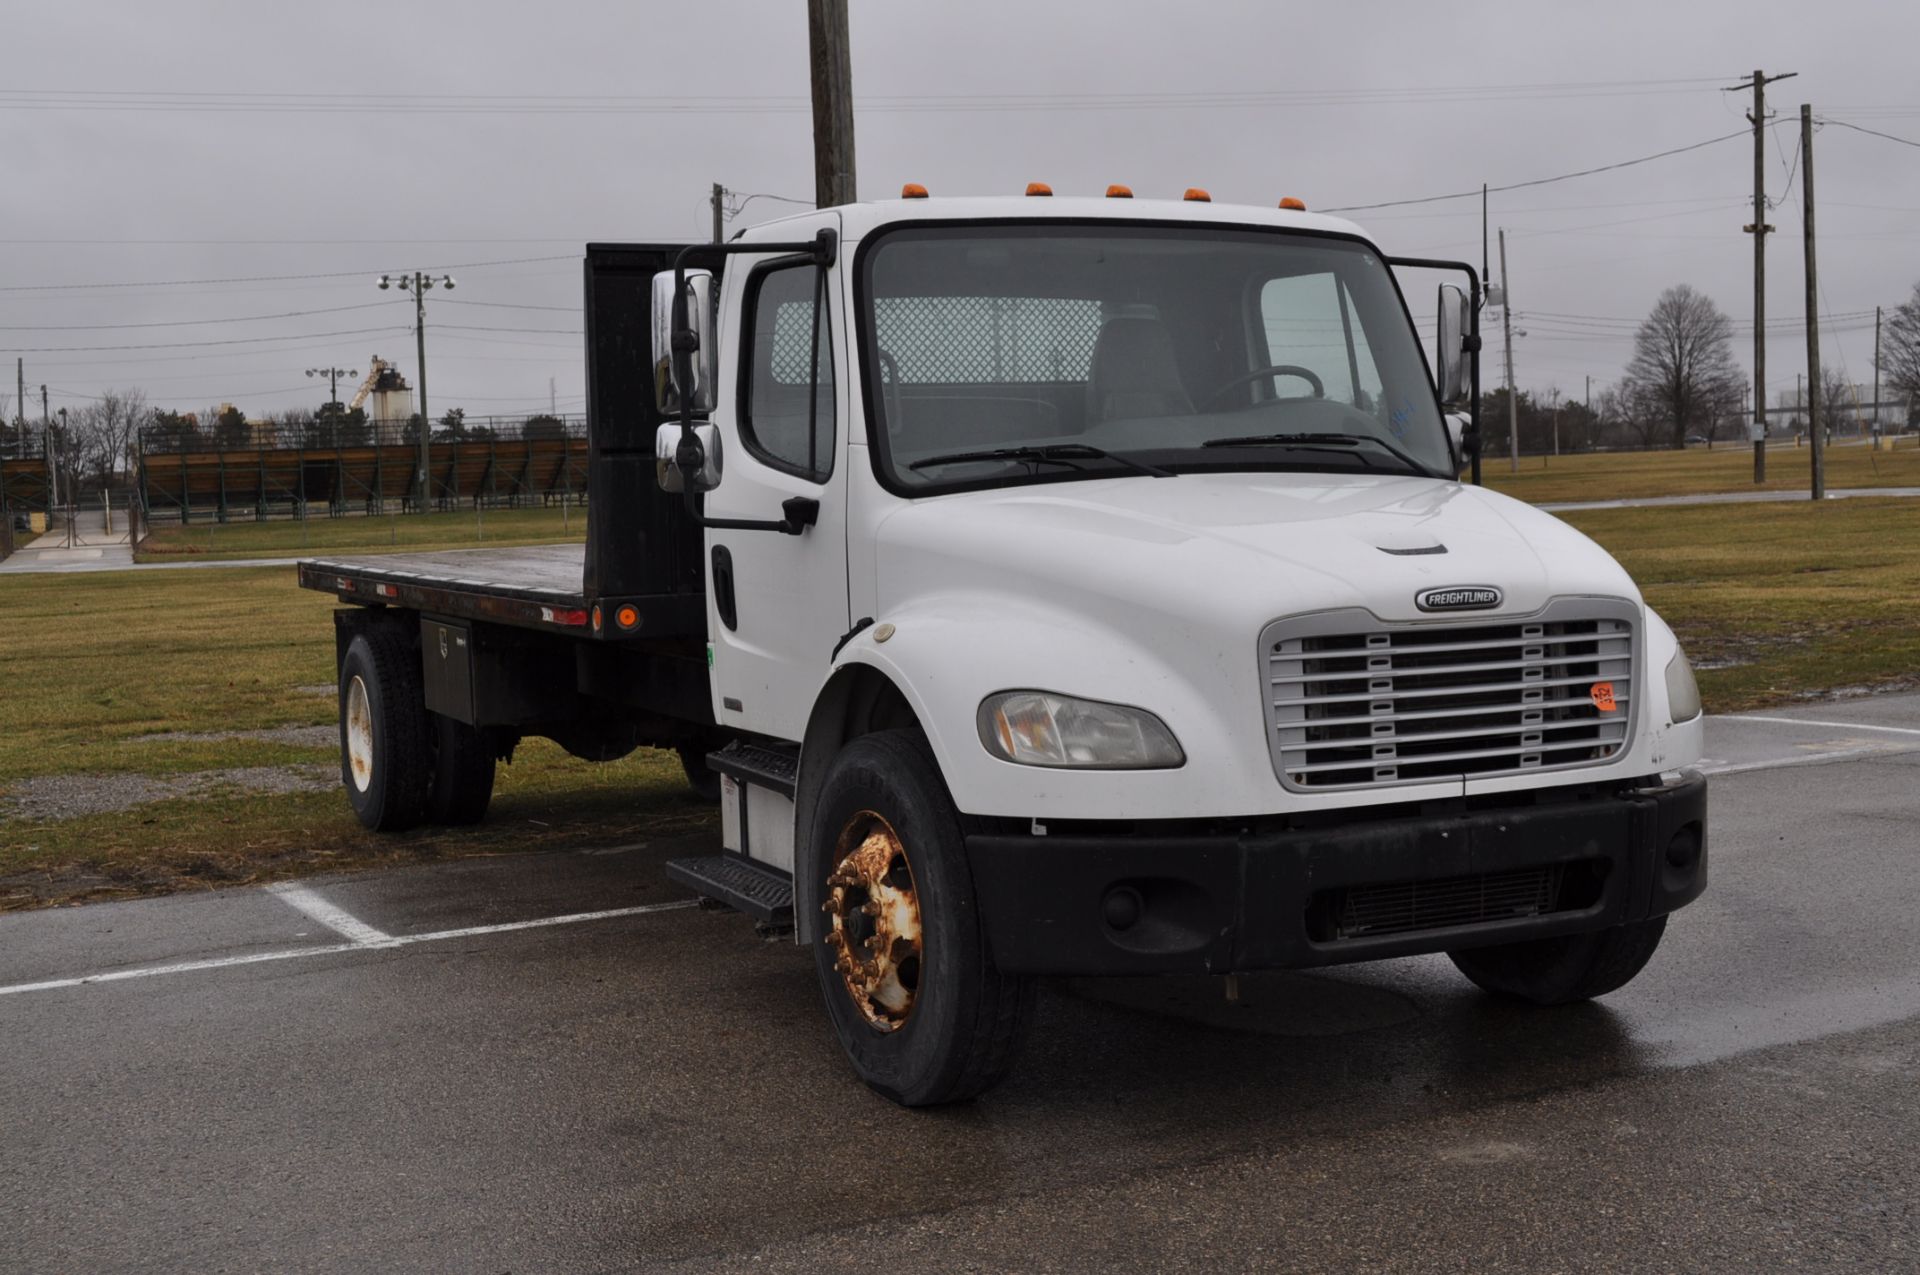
534 129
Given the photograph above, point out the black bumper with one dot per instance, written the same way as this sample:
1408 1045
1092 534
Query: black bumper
1397 886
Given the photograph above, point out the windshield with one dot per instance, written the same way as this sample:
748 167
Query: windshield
1033 353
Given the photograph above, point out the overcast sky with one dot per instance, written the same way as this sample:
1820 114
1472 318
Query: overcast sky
532 129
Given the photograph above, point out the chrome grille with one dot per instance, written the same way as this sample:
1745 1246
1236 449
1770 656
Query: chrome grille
1357 703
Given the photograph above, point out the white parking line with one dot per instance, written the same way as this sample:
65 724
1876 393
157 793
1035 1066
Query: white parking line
1807 721
1711 767
386 941
339 920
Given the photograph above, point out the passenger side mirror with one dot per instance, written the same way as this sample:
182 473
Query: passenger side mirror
1462 436
691 373
1450 361
666 457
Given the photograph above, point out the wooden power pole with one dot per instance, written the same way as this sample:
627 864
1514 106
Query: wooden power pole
1814 424
832 103
719 201
1506 321
1759 229
1876 376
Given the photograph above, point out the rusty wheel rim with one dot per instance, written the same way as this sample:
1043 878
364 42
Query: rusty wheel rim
873 915
359 735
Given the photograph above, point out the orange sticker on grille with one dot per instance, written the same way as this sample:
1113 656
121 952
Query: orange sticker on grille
1602 693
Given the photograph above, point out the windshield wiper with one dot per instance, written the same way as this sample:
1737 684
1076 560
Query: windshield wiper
1056 453
1321 440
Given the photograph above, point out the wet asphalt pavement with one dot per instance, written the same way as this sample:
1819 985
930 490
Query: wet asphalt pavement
367 1073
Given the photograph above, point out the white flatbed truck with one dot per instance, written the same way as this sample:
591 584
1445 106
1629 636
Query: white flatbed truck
1061 586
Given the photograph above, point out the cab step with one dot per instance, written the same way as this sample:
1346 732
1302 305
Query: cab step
765 894
774 768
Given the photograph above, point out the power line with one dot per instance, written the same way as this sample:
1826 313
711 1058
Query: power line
512 305
1871 132
468 327
685 104
182 323
189 345
262 278
1544 181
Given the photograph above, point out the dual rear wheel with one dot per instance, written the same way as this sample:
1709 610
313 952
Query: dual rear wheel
401 764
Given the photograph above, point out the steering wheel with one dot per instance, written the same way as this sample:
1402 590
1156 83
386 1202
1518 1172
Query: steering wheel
1278 369
890 390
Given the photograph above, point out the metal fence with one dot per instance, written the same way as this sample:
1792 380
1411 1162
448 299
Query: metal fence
330 433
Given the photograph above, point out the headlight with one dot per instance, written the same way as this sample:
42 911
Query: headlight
1683 693
1035 728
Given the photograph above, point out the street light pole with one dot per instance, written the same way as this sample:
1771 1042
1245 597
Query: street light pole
419 283
333 375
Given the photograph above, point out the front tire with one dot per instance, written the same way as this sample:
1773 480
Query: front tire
923 1014
1560 971
384 753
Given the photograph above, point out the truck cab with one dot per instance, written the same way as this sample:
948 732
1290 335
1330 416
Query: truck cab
1088 586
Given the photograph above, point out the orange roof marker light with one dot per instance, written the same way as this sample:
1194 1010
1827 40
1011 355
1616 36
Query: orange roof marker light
1119 192
1039 188
913 190
1293 205
1196 195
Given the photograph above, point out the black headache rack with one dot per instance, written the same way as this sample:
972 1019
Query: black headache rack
639 576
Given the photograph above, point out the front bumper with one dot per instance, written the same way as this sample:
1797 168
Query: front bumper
1565 862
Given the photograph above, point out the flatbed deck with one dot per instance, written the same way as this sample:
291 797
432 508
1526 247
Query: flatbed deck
539 586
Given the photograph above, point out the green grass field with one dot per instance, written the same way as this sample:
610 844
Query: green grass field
294 538
1777 601
92 663
1727 467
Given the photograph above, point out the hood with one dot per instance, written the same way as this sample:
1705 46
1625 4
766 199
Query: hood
1249 547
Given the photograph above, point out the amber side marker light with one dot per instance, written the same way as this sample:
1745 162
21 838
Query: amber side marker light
1039 188
913 190
1119 192
626 617
1293 205
1196 195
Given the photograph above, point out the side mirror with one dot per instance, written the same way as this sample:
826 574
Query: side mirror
666 457
1450 361
1460 435
692 375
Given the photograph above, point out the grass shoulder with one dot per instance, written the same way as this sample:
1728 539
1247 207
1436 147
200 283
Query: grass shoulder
295 538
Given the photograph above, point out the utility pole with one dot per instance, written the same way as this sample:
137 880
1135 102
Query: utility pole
420 283
719 203
1506 322
1876 376
20 393
832 102
1813 301
1759 229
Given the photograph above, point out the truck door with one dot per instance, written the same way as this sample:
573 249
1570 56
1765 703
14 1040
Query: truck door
777 604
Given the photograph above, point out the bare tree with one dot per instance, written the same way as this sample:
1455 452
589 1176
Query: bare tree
1900 350
1839 400
1682 366
105 429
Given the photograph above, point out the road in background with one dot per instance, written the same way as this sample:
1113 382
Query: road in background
381 1072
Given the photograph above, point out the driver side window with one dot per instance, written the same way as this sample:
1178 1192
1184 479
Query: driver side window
1308 321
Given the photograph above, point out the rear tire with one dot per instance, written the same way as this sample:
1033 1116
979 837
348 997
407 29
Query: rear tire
385 757
962 1021
463 770
1560 971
